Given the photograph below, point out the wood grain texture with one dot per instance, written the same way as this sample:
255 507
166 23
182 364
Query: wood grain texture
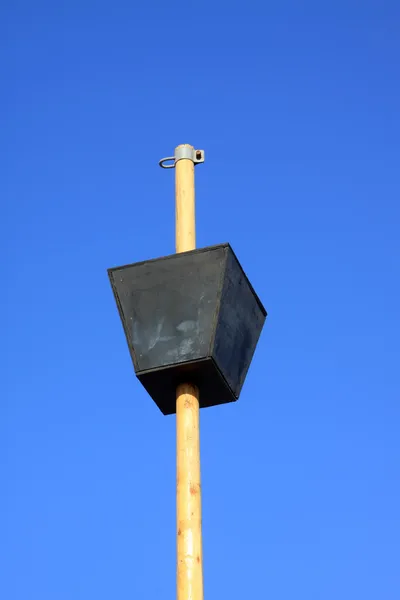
189 538
185 205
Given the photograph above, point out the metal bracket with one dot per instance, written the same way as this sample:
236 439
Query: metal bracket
196 156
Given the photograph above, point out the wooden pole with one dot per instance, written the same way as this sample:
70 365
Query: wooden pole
189 543
185 205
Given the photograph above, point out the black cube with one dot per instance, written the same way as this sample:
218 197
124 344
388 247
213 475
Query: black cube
191 317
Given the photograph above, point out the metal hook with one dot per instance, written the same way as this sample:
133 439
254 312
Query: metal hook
168 159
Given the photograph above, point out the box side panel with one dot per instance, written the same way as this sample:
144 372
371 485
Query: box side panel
111 273
240 321
168 307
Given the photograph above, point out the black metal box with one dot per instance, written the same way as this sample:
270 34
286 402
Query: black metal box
190 317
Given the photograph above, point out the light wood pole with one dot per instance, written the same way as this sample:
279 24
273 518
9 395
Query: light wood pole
189 543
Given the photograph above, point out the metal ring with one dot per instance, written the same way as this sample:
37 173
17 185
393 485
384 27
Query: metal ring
163 160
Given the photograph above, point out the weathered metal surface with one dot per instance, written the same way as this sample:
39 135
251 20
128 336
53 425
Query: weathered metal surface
192 317
240 321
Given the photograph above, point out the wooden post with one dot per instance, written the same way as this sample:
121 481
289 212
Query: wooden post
185 205
189 543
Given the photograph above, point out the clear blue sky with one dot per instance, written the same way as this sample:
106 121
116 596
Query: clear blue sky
297 107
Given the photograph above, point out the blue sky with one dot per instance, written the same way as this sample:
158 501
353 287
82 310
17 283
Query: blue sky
297 108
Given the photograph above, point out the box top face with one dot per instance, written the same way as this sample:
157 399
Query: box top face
168 306
169 257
